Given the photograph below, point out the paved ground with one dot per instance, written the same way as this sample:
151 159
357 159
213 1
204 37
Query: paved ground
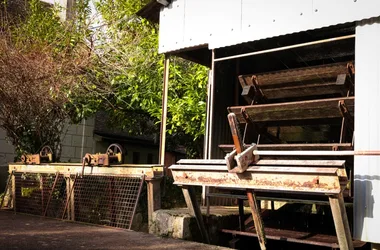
18 231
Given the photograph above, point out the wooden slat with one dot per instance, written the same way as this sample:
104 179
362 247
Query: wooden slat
297 76
296 236
314 163
298 146
302 110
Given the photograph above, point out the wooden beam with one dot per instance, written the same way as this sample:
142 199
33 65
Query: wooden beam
341 222
290 111
192 205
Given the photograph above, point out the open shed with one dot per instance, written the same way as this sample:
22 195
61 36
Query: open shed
273 41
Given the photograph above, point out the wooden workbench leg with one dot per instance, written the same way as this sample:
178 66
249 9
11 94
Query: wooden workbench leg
193 206
154 197
14 192
341 222
259 226
241 215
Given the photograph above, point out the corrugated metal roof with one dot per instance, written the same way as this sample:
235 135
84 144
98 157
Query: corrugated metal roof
188 23
151 11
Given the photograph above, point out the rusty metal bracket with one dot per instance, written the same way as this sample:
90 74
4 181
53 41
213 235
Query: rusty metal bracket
346 115
238 163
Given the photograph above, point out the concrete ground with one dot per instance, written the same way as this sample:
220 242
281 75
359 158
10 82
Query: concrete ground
19 231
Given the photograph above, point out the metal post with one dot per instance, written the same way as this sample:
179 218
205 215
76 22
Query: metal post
211 113
164 111
341 222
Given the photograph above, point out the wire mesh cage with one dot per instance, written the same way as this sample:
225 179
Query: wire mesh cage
109 200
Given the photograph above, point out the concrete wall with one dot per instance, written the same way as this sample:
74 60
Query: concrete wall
78 140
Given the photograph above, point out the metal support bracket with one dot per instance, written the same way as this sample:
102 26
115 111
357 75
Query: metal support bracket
238 163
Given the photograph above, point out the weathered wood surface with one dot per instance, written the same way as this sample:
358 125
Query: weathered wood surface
296 76
297 146
290 111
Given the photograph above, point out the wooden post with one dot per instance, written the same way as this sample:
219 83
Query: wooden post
341 222
154 196
192 204
257 219
70 195
14 192
165 89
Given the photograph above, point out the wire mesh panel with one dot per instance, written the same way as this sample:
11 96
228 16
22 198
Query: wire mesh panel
109 200
39 194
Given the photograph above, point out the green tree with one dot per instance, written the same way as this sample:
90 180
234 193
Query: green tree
40 60
127 79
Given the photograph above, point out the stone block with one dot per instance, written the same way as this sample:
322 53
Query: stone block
6 147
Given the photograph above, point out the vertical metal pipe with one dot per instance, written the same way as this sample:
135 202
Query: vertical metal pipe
211 113
164 110
207 125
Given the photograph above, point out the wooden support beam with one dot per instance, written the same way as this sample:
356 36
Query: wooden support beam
154 196
194 209
259 226
341 222
291 111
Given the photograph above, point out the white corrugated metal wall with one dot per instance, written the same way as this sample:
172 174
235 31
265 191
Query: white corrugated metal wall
220 23
367 131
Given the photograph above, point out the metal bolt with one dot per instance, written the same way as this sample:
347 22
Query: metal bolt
316 10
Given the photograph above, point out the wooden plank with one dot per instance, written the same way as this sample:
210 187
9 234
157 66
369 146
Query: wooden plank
314 163
317 183
299 75
301 110
262 169
305 90
150 171
258 222
192 205
341 222
295 146
296 237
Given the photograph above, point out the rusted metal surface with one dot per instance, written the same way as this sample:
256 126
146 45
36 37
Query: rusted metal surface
150 171
113 155
45 156
316 181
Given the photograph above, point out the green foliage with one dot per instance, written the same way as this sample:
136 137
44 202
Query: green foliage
127 79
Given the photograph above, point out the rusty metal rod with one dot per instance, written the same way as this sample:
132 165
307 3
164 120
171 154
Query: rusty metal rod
51 193
285 48
316 153
211 115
